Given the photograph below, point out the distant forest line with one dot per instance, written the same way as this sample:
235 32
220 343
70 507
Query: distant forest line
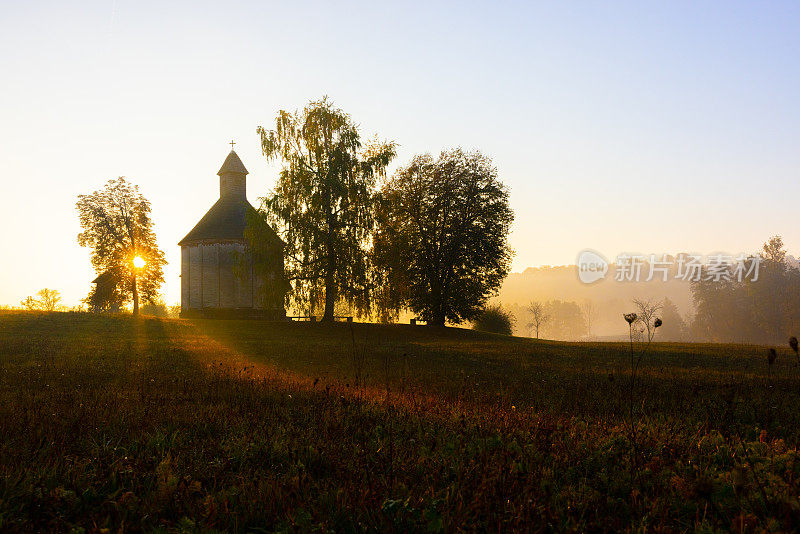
763 311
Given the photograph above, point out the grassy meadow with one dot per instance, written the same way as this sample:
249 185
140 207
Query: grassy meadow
114 424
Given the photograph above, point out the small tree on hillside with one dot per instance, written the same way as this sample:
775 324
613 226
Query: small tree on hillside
322 205
117 227
45 300
538 316
441 244
589 311
494 319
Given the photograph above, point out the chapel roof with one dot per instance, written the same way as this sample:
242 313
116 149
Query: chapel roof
225 221
232 164
104 278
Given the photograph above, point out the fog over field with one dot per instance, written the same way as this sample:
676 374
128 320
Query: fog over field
610 298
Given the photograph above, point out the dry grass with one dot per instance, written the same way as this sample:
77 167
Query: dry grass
112 423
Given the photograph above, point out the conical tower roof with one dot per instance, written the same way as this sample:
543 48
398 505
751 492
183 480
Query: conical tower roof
232 165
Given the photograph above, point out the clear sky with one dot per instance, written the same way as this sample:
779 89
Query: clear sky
641 126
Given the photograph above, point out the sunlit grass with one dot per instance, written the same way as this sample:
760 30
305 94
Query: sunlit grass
109 422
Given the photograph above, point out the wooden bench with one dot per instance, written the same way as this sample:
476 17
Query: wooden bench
313 318
309 318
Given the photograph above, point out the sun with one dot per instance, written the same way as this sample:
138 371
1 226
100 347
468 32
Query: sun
138 262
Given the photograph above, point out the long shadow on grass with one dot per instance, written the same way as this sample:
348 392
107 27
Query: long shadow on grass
712 385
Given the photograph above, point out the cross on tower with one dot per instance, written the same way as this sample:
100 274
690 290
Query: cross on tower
232 143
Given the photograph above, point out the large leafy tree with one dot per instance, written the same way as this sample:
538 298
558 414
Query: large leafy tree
323 203
117 227
441 242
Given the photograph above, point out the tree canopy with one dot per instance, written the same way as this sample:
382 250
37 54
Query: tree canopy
441 241
322 205
117 227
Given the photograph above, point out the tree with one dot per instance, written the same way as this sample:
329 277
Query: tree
773 303
674 328
773 252
441 242
494 319
117 227
45 300
323 203
566 320
762 307
589 311
538 316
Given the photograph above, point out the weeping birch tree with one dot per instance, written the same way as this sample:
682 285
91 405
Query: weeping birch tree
322 205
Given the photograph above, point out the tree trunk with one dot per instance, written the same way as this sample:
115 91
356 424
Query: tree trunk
437 298
330 302
330 272
330 290
135 295
438 317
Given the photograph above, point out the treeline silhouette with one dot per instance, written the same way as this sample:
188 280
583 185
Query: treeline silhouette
764 310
